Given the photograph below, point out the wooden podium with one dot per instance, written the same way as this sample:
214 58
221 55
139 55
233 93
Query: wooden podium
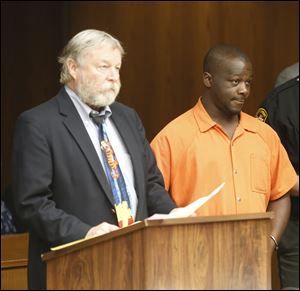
220 252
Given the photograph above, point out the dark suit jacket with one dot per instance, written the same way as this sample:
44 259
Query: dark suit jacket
59 187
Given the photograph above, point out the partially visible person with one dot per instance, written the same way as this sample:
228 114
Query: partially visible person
216 142
7 223
7 198
65 184
281 110
288 73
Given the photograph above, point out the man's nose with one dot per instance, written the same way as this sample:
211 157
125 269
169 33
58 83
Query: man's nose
113 74
243 88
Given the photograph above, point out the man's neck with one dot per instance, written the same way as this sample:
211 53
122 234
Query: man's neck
95 108
228 122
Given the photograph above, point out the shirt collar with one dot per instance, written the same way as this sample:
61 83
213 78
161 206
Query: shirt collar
202 118
205 122
247 122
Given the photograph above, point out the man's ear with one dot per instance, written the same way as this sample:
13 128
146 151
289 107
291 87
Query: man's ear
72 67
207 79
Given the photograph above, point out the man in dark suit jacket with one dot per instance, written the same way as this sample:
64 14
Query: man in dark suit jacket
60 188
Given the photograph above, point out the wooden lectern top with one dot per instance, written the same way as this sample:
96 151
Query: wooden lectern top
84 243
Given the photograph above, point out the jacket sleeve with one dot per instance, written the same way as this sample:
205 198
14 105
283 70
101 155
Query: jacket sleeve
32 173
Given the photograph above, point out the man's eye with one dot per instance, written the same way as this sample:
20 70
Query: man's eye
235 82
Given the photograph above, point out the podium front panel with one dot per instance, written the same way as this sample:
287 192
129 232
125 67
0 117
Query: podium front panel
195 253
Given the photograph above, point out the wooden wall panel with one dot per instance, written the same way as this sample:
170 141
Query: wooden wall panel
167 40
14 261
31 37
165 43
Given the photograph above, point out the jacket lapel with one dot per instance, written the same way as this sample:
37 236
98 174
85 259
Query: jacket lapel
76 128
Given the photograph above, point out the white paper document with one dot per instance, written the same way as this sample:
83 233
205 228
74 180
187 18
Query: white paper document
189 209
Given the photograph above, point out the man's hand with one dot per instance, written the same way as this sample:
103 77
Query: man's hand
100 229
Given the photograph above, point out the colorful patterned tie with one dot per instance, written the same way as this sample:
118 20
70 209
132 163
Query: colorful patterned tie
114 174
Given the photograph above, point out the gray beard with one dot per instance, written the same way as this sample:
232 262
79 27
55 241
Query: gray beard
101 100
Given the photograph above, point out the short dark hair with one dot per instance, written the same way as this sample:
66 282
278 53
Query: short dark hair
219 53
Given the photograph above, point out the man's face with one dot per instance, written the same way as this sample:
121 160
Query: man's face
97 80
231 84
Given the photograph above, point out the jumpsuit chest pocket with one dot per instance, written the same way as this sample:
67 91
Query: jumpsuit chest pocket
260 174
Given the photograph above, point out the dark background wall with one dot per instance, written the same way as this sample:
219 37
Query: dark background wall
165 43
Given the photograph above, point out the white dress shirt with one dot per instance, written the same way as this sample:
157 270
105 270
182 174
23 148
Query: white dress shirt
116 142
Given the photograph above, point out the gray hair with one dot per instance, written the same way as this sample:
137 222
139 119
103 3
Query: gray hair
79 43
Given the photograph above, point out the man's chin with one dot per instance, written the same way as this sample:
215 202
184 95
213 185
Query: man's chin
101 102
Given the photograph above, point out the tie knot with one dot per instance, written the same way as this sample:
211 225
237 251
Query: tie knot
97 117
